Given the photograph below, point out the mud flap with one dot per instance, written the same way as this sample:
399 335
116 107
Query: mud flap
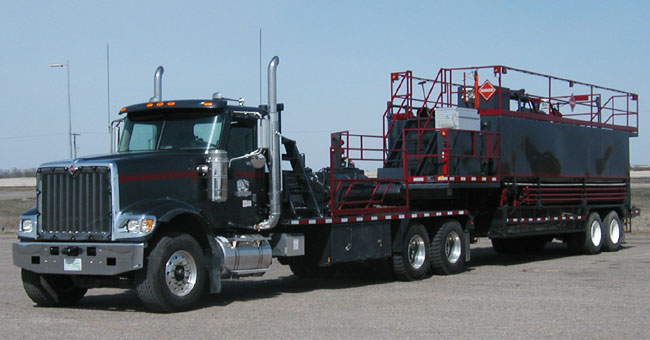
467 242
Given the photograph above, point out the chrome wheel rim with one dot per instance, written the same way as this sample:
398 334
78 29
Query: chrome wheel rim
453 247
180 273
416 252
595 232
614 231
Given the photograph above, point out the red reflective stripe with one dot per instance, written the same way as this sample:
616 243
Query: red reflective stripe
377 217
158 176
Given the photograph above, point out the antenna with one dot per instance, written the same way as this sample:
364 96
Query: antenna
260 66
108 96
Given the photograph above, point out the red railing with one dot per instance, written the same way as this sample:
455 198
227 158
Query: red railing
352 195
491 142
361 196
556 99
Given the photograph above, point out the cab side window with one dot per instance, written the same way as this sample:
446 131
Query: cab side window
242 138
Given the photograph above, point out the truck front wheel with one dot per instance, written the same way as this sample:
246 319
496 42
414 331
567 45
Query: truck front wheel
448 249
174 278
413 262
51 290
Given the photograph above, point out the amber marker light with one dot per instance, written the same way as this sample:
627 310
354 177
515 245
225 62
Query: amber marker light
207 104
149 105
146 225
123 109
171 103
160 104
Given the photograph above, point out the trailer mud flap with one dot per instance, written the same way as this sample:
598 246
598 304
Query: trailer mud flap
467 242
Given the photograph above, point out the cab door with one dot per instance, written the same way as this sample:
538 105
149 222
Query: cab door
246 185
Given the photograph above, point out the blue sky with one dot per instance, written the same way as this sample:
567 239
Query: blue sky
336 57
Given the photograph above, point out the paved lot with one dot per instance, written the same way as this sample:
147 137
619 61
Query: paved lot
552 295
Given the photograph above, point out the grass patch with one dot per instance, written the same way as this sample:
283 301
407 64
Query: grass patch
10 210
641 200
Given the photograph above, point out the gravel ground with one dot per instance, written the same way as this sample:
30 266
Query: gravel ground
549 295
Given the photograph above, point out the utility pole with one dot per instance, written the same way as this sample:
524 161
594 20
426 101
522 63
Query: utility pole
70 137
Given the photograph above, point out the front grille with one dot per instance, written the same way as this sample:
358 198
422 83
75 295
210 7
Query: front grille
75 205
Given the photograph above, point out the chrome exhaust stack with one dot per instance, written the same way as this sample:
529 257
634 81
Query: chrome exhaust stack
274 151
157 85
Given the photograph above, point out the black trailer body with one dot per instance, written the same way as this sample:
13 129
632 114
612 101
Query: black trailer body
533 148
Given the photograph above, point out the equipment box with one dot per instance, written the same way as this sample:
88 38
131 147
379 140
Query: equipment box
458 118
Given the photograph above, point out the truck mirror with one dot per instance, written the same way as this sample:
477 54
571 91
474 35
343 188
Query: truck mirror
115 134
258 161
263 133
256 157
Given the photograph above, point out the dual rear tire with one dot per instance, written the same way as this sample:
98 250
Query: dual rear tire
443 254
599 235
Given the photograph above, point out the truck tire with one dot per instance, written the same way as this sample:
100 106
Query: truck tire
448 249
590 241
413 262
51 290
611 232
174 278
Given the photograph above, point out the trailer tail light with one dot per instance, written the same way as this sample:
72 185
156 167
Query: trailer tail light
394 76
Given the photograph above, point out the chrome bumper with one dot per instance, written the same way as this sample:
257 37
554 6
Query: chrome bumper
78 258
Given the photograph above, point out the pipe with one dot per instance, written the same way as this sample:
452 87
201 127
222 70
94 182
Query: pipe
157 85
274 151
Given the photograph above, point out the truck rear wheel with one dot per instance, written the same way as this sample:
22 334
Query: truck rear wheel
174 278
413 263
51 290
590 241
448 249
611 232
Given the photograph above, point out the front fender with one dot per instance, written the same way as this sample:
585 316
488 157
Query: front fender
160 210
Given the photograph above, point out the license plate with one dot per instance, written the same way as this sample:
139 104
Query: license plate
72 264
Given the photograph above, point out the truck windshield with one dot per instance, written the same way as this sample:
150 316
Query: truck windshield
201 133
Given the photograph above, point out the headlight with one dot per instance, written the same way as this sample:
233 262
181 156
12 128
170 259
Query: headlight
26 226
132 225
142 225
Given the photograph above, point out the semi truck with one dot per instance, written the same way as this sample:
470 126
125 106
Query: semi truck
199 191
